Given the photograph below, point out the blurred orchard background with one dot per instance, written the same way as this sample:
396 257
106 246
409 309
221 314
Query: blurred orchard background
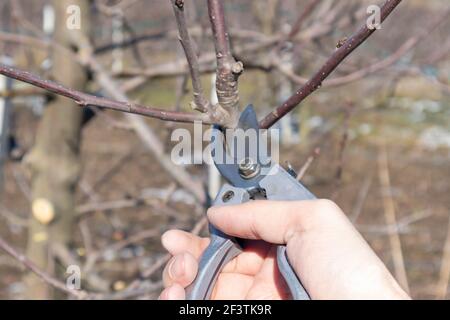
95 188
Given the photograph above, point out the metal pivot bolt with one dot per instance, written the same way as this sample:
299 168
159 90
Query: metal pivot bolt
248 168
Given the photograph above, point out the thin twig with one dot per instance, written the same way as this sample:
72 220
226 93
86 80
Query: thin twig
200 102
444 274
84 99
389 213
80 294
111 171
94 256
409 44
308 9
13 218
93 280
330 65
175 69
402 225
362 196
127 293
86 236
307 164
195 230
180 91
145 133
22 182
348 108
198 227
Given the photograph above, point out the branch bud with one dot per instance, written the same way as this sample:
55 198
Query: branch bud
196 107
179 4
237 68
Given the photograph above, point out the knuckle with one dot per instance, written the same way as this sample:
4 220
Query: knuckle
326 206
304 218
295 222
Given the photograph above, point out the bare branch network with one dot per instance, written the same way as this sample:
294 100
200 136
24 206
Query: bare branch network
84 99
228 71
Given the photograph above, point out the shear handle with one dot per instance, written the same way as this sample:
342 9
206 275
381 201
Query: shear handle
281 186
220 251
278 185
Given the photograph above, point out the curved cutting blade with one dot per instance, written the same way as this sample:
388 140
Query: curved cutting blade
227 160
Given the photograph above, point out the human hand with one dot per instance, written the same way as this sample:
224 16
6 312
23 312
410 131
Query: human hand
327 253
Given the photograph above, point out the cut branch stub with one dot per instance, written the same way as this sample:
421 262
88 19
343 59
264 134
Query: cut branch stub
228 69
227 85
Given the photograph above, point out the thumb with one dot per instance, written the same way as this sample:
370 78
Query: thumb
271 221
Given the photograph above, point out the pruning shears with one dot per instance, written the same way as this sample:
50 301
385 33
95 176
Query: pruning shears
249 177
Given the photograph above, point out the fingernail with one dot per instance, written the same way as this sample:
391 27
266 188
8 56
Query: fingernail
176 269
165 239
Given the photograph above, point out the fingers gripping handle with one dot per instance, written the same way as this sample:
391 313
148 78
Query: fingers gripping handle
220 251
281 186
297 290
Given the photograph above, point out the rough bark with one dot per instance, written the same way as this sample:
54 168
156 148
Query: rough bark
228 69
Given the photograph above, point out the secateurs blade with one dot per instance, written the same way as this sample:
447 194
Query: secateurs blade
250 175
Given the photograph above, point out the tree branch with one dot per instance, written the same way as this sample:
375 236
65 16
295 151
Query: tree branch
84 99
309 8
86 58
41 274
200 102
145 133
330 65
377 66
264 43
228 69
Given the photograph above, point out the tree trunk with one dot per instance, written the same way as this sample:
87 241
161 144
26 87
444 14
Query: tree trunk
54 159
